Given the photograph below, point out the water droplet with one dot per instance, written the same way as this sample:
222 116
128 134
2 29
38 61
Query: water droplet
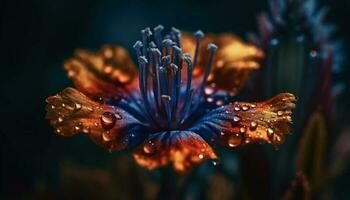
63 105
118 116
58 130
208 90
108 120
270 132
237 108
210 100
245 108
60 119
242 130
77 106
253 126
222 133
106 136
90 109
253 105
78 127
215 162
219 102
200 156
149 148
236 119
234 140
53 107
86 130
280 113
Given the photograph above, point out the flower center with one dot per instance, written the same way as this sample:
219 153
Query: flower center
167 91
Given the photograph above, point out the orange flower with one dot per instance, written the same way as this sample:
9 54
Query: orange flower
174 106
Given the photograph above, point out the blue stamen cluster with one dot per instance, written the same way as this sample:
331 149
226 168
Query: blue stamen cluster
167 100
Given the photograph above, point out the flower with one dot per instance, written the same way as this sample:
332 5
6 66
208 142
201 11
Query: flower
174 106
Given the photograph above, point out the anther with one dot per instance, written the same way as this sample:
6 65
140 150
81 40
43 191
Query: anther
158 35
137 46
198 35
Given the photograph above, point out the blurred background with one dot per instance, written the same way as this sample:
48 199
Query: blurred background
37 36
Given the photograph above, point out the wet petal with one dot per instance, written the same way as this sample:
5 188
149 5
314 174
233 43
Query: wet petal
108 73
242 123
71 112
234 61
183 149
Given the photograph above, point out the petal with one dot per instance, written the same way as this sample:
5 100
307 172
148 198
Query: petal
108 73
183 149
233 63
71 112
242 123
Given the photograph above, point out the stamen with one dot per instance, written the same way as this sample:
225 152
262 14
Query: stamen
143 82
176 55
173 88
155 75
137 46
146 33
198 35
164 92
158 35
212 49
176 35
166 44
187 96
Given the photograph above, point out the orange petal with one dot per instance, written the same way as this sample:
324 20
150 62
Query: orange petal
234 61
243 123
267 121
108 73
71 112
183 149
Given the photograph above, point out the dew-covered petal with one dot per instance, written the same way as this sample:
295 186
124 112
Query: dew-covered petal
243 123
234 61
108 73
182 149
70 112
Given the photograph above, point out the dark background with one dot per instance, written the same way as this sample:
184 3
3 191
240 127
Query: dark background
37 36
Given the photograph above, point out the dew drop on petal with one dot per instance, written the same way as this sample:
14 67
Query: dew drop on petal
77 106
222 133
215 162
280 113
270 132
253 126
210 100
118 116
236 119
242 130
219 102
237 108
209 90
106 136
53 107
78 127
245 108
234 140
200 156
58 130
149 148
60 119
108 120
